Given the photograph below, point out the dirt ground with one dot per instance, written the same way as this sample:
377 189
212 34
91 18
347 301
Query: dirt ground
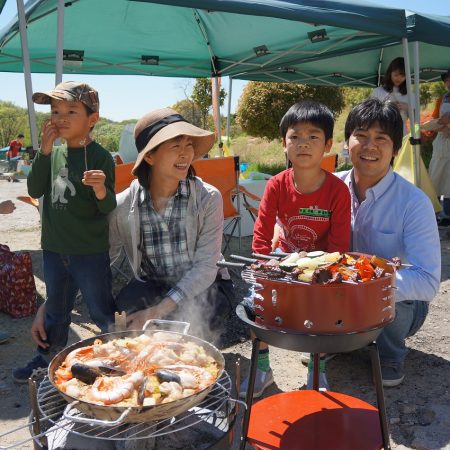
418 410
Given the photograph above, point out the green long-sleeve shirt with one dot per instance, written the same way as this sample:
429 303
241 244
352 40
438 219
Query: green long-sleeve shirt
74 221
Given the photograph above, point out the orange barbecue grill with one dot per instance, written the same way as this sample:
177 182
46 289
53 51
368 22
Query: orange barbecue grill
318 318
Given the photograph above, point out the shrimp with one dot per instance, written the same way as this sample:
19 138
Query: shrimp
110 390
172 391
79 355
193 377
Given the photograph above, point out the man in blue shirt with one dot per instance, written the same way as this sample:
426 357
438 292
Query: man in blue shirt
391 217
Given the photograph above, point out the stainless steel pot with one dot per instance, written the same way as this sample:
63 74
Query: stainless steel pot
111 414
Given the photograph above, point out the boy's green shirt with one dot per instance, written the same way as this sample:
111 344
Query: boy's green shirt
74 221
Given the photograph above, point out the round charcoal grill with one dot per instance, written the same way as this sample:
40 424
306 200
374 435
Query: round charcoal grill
209 425
346 308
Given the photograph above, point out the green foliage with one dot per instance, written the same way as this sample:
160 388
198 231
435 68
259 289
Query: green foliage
430 92
202 97
262 105
270 169
14 120
107 133
190 111
344 166
355 95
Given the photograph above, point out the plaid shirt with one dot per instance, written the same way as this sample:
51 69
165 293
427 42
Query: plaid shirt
163 239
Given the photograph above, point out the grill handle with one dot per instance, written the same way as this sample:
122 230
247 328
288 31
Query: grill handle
279 254
91 421
230 265
167 325
268 257
243 259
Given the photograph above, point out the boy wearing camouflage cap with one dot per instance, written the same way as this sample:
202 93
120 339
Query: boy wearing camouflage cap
76 181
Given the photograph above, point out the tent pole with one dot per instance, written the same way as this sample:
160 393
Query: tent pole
411 114
380 61
217 89
417 86
27 73
59 42
230 85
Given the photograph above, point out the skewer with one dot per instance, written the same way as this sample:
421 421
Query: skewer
257 255
401 265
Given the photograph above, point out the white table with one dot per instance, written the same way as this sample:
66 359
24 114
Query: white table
255 187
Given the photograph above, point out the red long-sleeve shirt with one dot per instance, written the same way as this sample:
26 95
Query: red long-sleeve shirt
317 221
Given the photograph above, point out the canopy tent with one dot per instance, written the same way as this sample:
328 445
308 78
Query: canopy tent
196 38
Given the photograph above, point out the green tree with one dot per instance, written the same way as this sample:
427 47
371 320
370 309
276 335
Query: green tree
202 97
262 105
190 111
13 121
354 95
108 133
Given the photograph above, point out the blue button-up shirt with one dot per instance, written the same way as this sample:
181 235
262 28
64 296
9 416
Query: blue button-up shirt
397 219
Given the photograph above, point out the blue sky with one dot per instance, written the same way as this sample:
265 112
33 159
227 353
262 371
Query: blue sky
127 102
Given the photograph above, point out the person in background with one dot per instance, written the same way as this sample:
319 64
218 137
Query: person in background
13 155
394 88
439 168
77 183
170 224
6 207
310 206
391 218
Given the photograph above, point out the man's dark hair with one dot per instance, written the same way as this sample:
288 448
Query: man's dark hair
396 64
372 111
20 136
308 111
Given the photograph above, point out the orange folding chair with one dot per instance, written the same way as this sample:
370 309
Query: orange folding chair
329 163
123 176
123 179
223 173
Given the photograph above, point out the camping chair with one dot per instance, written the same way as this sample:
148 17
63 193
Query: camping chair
223 173
123 176
123 179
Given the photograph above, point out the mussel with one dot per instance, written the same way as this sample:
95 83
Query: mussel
88 374
166 375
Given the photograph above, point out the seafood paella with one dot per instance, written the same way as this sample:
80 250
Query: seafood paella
144 370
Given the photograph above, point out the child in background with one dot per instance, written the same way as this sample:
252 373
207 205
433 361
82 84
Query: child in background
394 88
77 182
306 130
13 152
439 168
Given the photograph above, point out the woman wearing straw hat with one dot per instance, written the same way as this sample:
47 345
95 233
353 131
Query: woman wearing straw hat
170 224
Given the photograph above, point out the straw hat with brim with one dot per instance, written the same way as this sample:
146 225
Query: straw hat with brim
161 125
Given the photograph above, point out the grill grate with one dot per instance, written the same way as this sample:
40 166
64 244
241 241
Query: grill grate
215 410
250 276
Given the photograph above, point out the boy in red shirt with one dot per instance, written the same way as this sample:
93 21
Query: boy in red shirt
13 152
310 206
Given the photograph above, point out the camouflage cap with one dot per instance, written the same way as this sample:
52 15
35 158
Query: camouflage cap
70 91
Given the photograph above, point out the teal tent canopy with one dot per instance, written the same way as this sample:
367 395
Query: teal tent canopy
245 39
